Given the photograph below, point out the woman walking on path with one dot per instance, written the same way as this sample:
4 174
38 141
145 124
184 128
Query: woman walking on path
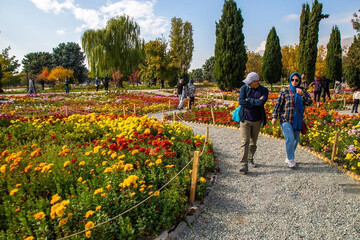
356 98
181 93
317 89
191 92
289 109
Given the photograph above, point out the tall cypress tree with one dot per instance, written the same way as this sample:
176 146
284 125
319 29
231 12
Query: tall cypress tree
304 22
272 65
230 51
312 39
333 56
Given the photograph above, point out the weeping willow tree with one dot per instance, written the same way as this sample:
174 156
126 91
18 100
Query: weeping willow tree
118 46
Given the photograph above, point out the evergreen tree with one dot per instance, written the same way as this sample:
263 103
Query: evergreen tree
312 39
208 69
304 22
70 56
35 62
230 51
333 56
272 65
352 74
353 55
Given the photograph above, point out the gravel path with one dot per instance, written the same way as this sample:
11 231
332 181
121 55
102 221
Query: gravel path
315 201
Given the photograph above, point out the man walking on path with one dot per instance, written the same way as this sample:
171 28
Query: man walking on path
326 87
106 82
252 98
31 87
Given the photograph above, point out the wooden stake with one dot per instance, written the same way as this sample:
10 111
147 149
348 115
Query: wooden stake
169 105
212 115
207 134
124 111
134 109
66 111
174 116
344 102
336 139
194 176
163 114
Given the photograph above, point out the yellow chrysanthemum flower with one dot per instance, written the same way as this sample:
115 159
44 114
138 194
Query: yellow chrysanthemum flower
12 192
89 224
97 191
89 213
39 216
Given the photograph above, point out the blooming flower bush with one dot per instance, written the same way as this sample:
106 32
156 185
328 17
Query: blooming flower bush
60 175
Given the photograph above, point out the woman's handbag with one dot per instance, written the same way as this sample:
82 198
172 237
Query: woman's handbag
236 114
304 127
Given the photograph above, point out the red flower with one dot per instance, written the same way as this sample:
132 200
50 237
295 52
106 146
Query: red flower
52 137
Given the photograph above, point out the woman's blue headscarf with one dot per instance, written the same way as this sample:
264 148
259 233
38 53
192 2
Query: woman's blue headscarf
297 120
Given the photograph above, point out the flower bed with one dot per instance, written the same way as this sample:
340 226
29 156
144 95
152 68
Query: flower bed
60 175
62 104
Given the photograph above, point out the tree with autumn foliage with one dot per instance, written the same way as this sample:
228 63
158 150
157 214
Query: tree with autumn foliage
134 78
320 61
59 74
43 76
289 59
254 63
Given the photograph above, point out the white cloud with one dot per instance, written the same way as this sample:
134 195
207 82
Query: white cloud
60 32
141 11
53 5
291 17
261 47
337 19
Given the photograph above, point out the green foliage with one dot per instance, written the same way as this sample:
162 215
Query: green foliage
181 43
157 65
312 39
230 51
70 56
333 56
117 46
208 69
197 75
9 68
353 56
34 63
356 22
352 74
304 22
272 65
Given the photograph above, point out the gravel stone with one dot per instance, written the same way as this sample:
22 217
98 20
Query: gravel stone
315 201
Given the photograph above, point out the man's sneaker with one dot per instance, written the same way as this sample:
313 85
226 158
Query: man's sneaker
252 164
291 163
244 169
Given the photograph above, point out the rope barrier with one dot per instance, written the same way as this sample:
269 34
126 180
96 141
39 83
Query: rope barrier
138 204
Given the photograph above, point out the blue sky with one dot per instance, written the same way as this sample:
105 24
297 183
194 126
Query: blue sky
40 25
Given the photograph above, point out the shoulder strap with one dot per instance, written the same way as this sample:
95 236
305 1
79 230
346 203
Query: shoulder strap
292 98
